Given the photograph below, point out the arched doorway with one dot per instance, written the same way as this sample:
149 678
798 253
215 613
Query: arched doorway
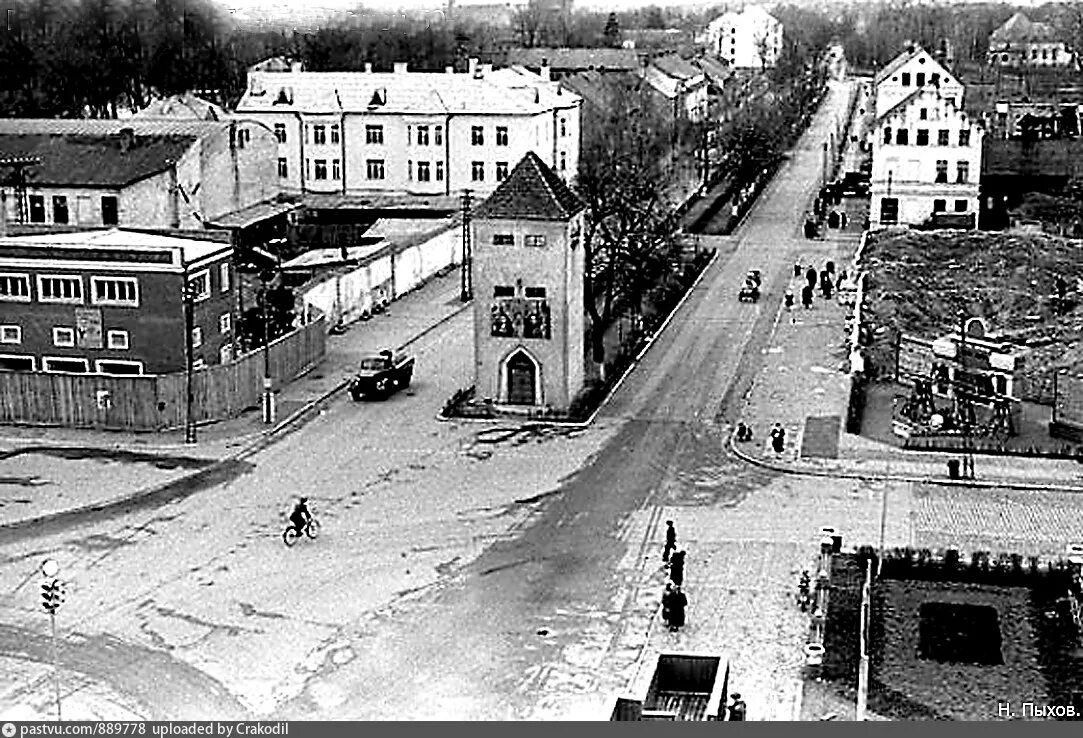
522 376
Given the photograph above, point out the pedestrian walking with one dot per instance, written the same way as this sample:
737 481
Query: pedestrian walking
788 299
671 540
810 276
667 604
737 708
843 219
797 268
676 568
830 267
778 438
825 284
806 296
677 605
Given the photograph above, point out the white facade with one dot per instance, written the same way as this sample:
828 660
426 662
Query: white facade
407 132
926 159
913 70
751 39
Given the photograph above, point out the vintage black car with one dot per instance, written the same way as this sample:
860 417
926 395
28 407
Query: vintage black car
380 375
751 291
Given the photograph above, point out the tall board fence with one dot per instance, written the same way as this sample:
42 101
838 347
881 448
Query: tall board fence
158 402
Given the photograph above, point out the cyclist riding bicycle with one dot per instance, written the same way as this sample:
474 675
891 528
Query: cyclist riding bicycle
300 515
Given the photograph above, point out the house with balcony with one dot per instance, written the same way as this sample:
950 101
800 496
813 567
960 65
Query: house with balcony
113 302
410 133
134 173
750 39
1022 43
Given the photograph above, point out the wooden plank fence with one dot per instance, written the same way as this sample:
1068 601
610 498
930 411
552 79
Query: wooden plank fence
157 402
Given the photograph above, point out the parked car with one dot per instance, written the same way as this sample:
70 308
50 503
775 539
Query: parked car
751 291
853 184
381 375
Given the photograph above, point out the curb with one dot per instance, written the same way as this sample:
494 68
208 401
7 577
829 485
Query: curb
262 440
842 473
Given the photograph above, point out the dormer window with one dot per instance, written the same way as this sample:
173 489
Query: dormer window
379 97
285 96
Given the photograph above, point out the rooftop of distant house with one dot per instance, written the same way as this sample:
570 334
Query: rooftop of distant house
117 239
184 106
1020 28
576 59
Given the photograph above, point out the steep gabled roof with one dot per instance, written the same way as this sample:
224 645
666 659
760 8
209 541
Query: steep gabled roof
901 103
895 64
1019 28
531 192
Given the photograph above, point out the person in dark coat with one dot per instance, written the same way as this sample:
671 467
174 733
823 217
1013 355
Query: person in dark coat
676 568
671 540
810 276
825 284
796 269
806 296
677 606
778 438
667 604
737 708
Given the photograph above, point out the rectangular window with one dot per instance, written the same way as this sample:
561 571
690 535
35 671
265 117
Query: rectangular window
964 138
117 340
334 134
60 289
60 209
224 277
935 79
438 135
887 135
308 168
501 135
902 137
11 334
960 206
923 137
501 171
319 134
280 132
199 286
920 77
503 291
906 79
321 169
114 291
477 171
409 135
477 136
225 354
942 138
225 321
424 174
563 127
15 287
109 210
71 366
940 206
503 239
410 170
439 171
283 168
962 172
535 293
197 337
374 135
536 241
941 171
37 208
563 161
374 168
889 210
106 366
422 135
63 337
16 363
336 170
923 114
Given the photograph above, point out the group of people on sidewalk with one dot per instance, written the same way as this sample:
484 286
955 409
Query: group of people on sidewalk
674 600
826 279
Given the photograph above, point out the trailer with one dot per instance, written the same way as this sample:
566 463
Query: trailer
677 686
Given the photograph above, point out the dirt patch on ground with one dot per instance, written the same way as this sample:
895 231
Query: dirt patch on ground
921 283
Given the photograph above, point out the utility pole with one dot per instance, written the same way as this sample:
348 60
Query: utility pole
52 595
268 394
863 663
467 280
189 411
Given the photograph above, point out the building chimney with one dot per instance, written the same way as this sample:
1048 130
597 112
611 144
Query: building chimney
400 67
472 67
127 137
296 67
449 70
544 72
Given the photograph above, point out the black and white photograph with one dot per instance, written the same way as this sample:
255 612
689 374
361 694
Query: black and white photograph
539 361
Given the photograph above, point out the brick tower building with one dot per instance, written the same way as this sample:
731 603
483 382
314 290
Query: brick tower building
528 286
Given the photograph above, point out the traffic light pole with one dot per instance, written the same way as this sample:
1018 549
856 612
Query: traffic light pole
56 666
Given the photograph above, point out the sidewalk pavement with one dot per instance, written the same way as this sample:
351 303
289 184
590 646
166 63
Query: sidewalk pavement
803 384
56 471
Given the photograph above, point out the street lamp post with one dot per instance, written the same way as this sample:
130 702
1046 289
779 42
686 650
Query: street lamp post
189 359
268 394
52 595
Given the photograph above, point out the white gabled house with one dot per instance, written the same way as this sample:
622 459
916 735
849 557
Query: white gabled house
914 69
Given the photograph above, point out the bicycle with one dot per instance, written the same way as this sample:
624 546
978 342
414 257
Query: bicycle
292 533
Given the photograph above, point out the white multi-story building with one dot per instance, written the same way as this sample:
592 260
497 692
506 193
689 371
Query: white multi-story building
926 151
914 69
751 39
408 132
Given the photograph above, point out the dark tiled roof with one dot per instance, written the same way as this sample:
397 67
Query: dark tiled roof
574 58
675 66
531 192
94 161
